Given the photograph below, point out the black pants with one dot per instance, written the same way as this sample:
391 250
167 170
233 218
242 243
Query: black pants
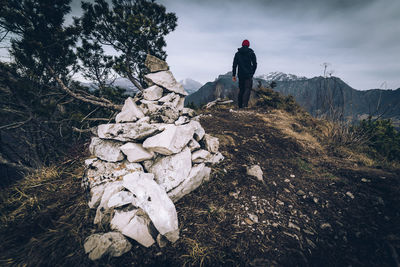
245 85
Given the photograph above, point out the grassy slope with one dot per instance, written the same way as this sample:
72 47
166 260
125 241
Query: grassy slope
45 219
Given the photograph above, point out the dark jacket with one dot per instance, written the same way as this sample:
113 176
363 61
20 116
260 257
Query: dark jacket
247 62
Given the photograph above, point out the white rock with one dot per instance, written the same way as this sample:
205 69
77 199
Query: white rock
216 158
198 130
134 224
144 108
121 219
171 140
200 156
172 236
153 93
197 174
151 107
149 102
253 217
112 243
148 163
89 162
120 199
155 64
138 229
212 143
170 171
100 172
255 171
106 149
127 131
167 112
166 80
181 104
135 152
182 120
175 102
153 199
96 193
110 190
189 112
144 120
130 112
193 145
168 98
161 241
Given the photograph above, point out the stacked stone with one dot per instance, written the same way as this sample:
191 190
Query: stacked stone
153 155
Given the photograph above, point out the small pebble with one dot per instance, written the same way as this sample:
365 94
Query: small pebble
349 194
287 181
253 217
292 176
294 226
325 226
300 193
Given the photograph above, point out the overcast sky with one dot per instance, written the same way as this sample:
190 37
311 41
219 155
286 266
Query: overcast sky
359 38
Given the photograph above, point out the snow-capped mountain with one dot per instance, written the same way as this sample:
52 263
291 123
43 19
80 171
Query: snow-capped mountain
190 85
278 76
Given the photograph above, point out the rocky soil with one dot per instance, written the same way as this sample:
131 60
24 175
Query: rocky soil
313 209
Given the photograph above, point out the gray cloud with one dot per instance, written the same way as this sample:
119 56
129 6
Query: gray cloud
359 38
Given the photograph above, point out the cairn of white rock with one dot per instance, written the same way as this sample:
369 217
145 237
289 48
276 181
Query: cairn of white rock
153 155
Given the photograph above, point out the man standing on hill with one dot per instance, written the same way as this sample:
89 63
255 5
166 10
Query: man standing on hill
246 60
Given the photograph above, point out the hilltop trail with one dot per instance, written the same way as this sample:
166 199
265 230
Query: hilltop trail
305 216
315 209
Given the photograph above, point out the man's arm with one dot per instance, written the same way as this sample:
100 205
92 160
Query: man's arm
254 62
234 66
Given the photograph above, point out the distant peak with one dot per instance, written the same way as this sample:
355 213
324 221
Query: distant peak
280 76
190 85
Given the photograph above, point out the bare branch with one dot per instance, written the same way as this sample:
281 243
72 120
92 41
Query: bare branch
5 35
15 165
97 119
88 130
15 124
98 101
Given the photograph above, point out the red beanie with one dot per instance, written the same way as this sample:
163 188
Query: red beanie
246 43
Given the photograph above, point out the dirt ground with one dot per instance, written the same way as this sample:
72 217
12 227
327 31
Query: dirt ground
313 209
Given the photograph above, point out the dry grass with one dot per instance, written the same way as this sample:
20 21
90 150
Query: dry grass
289 126
44 218
196 253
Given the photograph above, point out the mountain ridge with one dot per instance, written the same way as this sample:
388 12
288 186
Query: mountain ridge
316 95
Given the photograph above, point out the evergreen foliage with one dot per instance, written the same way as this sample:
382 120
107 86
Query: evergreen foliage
131 27
383 138
40 39
40 102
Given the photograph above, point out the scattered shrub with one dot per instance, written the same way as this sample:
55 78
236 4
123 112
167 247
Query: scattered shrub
383 138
